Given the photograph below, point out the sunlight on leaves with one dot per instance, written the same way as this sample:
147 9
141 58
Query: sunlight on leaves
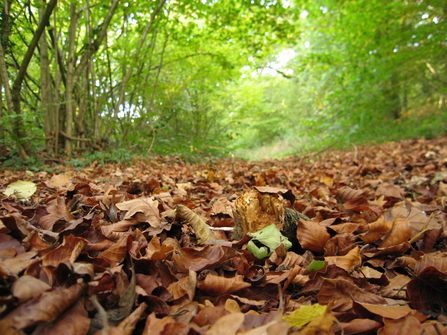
304 315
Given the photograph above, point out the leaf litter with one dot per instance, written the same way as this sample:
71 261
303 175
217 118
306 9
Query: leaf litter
148 248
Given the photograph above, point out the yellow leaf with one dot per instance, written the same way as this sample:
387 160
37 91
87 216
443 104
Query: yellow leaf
21 189
305 314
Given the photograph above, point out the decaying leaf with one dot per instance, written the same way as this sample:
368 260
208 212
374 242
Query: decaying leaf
145 209
373 252
44 308
201 229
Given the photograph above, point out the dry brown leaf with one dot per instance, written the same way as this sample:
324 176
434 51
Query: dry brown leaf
27 287
408 325
59 180
145 210
387 311
390 190
185 286
69 251
358 326
439 261
74 321
127 326
156 326
342 292
274 327
232 306
217 285
348 262
120 226
15 265
360 205
226 325
197 259
377 230
346 193
118 251
396 287
46 307
58 211
312 236
399 233
428 290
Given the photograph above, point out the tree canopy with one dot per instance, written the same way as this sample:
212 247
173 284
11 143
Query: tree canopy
211 76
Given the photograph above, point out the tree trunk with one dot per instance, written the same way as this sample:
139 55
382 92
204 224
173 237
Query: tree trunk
69 87
74 73
93 47
19 127
2 116
128 75
46 92
58 64
9 102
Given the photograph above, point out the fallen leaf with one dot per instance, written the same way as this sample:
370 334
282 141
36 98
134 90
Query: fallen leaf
27 287
145 209
303 315
21 189
226 325
217 285
46 307
342 292
312 236
408 325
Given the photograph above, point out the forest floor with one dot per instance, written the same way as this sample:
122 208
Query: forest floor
105 248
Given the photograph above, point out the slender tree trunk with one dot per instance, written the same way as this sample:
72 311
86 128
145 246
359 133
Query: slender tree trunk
2 115
57 84
9 102
92 107
19 127
69 88
94 47
128 75
74 73
46 93
80 115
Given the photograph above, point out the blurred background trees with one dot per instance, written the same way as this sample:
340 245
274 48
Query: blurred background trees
251 77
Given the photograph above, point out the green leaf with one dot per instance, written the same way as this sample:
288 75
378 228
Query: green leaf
21 189
258 252
266 240
305 314
316 265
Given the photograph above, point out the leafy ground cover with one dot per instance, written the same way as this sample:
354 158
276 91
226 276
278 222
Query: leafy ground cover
103 250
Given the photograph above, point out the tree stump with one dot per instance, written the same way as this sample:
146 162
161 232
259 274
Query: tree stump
262 206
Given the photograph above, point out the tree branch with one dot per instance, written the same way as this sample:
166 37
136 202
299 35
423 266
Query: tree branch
32 46
96 43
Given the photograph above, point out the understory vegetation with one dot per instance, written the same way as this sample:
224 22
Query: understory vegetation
106 81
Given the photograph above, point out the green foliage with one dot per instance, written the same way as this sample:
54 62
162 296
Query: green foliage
14 162
116 156
195 80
